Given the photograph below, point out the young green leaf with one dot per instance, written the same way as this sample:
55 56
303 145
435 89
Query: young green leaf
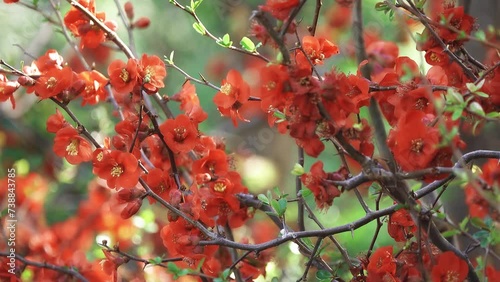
476 108
297 170
263 198
199 28
247 44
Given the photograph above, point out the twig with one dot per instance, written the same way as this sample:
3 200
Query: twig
62 269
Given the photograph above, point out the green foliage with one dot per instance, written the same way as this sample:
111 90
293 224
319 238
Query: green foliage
225 41
199 28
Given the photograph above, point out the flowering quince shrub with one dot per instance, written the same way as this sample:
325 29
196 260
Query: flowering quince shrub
199 198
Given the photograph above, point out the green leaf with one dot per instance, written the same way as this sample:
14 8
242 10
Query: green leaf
450 233
476 108
480 35
276 206
263 198
156 260
225 273
457 113
323 274
196 4
472 87
173 268
279 115
483 237
454 97
282 206
225 41
275 279
276 190
481 94
381 6
479 223
247 44
183 272
463 224
305 192
199 28
493 115
297 170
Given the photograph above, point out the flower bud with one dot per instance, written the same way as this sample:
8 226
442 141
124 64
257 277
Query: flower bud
26 81
142 23
129 10
131 208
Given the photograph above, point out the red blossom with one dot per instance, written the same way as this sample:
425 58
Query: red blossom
53 82
382 265
316 49
119 169
70 145
180 134
316 181
449 268
413 142
152 72
233 95
401 226
94 91
56 122
123 76
7 89
280 9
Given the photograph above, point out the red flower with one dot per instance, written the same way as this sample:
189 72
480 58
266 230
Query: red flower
152 72
401 226
382 265
436 57
215 164
478 206
492 273
274 87
233 94
123 77
118 168
280 9
316 49
160 182
190 103
413 143
70 145
7 89
457 18
311 145
50 60
53 82
111 263
94 91
81 26
449 268
56 122
315 180
180 134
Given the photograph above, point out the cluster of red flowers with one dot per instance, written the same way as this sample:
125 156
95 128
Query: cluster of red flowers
81 26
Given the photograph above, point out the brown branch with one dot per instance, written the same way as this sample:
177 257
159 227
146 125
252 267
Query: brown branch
62 269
